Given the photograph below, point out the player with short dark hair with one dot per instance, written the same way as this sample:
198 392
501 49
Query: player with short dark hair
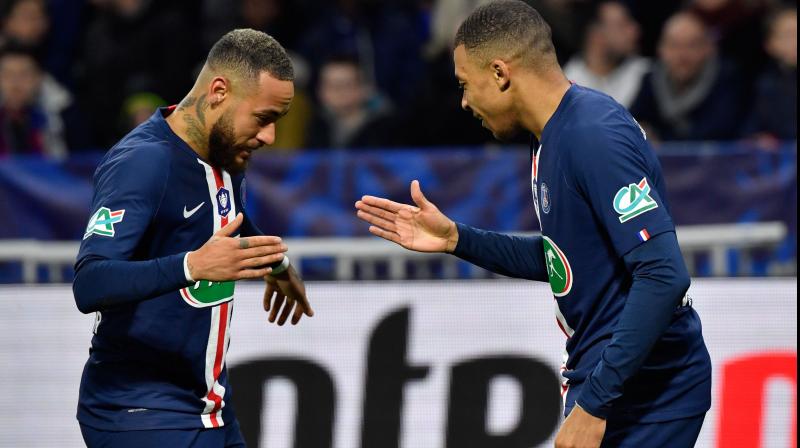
636 369
160 256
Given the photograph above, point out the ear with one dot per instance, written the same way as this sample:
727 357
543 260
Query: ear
501 74
218 90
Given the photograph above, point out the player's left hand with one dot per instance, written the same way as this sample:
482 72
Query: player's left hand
581 430
286 292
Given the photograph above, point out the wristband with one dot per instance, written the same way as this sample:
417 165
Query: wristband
281 267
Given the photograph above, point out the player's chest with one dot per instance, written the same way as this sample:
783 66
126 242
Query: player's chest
544 187
198 200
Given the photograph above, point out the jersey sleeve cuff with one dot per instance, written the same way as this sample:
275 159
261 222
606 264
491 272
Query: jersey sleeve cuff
186 272
594 412
464 243
590 402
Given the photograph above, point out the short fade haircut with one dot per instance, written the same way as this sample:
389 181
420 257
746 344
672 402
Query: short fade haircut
508 29
247 53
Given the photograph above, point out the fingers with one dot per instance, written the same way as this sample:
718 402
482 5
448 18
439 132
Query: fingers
262 251
261 261
377 221
255 241
417 196
231 227
380 212
287 310
276 305
385 234
381 203
268 293
298 314
245 274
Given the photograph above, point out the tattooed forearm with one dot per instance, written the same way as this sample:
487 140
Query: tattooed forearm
195 132
200 108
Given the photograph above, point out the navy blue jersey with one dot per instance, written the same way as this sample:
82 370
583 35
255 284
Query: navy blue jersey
598 194
157 358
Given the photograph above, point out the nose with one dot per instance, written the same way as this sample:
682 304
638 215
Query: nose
266 136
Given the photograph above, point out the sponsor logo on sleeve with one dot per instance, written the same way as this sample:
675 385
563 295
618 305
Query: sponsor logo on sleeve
633 200
559 270
102 222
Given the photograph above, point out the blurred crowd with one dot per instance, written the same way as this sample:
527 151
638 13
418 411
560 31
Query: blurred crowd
76 75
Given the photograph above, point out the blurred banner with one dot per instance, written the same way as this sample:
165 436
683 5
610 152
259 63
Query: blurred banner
410 365
312 193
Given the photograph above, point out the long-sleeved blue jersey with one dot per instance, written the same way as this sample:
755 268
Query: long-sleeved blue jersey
157 359
634 348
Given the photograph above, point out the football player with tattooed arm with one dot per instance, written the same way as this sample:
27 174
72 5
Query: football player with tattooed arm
637 372
161 254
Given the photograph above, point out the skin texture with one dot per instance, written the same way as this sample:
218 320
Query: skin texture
224 119
508 97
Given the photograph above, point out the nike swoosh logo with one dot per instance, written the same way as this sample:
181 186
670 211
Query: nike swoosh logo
188 213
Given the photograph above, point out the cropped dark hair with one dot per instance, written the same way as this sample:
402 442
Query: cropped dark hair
248 53
507 28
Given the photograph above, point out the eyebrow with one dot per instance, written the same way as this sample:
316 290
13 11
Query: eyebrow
271 113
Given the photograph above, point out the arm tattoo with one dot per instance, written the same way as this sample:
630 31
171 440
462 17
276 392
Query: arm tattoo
243 243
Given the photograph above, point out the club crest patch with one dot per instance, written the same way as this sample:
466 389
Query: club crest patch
223 201
633 200
545 198
102 222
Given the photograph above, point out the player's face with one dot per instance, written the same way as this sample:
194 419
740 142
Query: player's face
249 123
483 97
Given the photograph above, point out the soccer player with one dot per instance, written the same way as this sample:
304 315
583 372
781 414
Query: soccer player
636 371
164 247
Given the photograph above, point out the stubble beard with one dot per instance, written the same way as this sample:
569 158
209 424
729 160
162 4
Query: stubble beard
222 148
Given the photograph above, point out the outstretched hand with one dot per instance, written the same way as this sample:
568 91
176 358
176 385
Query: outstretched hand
422 228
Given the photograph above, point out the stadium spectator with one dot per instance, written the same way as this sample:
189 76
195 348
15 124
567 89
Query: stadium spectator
134 46
774 112
284 20
610 62
351 113
29 123
434 117
383 40
26 22
690 94
732 25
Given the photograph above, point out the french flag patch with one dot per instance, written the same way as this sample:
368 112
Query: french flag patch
643 235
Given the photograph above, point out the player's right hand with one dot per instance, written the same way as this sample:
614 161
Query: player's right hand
422 228
225 258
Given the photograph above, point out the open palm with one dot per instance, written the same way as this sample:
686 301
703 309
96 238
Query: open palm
422 228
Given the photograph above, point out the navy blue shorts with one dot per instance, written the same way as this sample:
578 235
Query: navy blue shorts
228 436
681 433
